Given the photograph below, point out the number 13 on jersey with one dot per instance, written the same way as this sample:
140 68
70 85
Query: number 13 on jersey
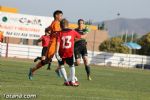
66 42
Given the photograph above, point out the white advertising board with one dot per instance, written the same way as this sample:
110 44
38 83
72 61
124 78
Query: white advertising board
23 26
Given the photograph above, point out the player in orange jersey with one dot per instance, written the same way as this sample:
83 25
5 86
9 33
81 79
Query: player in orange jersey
55 29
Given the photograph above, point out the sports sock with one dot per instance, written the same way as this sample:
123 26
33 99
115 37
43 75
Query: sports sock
39 58
72 73
64 74
88 71
49 65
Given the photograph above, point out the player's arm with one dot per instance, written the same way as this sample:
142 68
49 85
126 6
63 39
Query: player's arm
40 39
81 36
57 50
77 35
85 32
84 36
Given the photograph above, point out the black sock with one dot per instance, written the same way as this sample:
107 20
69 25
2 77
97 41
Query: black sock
39 58
49 65
88 71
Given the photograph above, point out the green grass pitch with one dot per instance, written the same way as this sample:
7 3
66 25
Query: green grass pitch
107 83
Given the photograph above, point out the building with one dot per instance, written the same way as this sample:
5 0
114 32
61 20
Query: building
8 9
95 38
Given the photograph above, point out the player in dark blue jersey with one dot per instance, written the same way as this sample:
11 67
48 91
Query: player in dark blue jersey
80 49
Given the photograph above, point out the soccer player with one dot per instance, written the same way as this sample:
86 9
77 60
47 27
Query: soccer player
65 50
80 49
45 39
1 36
55 29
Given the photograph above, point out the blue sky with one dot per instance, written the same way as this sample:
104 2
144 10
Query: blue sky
96 10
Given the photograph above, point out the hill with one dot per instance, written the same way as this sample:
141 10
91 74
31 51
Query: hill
122 25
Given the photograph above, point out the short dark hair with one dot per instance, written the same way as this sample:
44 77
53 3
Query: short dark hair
57 12
46 30
64 22
80 21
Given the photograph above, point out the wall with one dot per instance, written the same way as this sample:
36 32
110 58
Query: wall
97 58
94 39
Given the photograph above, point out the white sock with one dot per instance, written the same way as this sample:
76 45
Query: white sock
64 74
75 78
69 79
60 72
72 74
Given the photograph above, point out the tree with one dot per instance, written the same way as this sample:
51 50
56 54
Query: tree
144 41
89 22
98 27
101 26
128 37
114 45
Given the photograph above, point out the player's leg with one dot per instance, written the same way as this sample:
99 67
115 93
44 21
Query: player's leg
44 53
58 72
49 65
63 71
37 58
77 56
32 70
39 65
87 67
44 49
72 77
51 51
86 62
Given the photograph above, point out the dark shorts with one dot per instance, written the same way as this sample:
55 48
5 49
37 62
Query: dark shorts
44 50
69 61
80 51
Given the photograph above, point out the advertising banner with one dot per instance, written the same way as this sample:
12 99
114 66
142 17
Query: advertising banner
23 26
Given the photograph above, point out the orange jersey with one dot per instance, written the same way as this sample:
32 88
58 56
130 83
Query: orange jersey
55 26
55 29
1 36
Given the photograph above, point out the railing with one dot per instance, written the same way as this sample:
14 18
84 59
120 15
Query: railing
20 51
0 49
97 58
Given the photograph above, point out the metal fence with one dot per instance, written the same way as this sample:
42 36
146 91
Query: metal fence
97 58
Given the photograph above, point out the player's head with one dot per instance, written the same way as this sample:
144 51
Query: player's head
58 15
81 23
47 31
64 23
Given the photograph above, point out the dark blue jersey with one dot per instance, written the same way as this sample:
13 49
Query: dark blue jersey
81 42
